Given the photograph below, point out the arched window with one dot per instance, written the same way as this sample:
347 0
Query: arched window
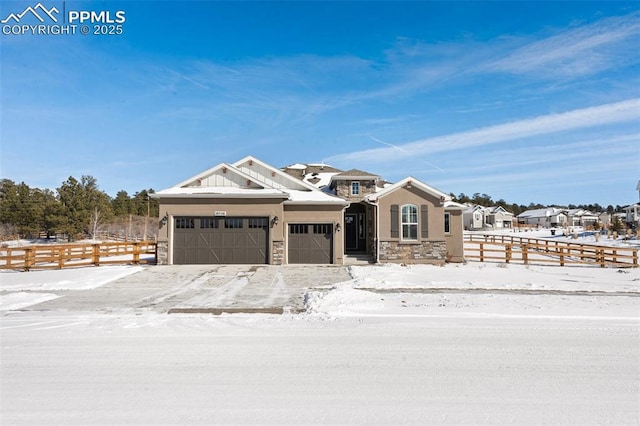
409 222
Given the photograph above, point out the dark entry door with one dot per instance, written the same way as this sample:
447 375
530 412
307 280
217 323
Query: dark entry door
351 231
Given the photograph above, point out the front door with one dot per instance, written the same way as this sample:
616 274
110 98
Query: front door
351 231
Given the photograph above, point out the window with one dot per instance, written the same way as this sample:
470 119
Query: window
447 221
208 222
184 223
409 222
298 229
258 223
355 188
233 223
322 229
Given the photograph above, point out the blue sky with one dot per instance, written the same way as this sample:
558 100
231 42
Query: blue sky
524 101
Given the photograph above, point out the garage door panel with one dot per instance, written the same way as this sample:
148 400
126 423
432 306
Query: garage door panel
211 240
310 243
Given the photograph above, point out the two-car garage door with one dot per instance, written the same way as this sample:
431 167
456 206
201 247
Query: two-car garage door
220 240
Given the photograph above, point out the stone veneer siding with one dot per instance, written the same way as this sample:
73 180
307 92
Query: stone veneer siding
343 189
277 253
162 249
422 252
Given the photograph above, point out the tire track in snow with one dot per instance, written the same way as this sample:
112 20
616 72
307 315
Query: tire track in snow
222 296
278 285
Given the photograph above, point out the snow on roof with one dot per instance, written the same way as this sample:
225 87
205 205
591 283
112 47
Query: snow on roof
313 197
219 192
318 179
452 205
297 166
545 212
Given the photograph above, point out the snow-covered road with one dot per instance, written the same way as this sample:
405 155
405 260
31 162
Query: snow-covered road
59 368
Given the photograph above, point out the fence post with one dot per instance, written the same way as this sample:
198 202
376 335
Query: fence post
507 253
601 252
635 258
28 258
615 258
136 253
561 256
481 252
96 254
60 258
525 254
9 255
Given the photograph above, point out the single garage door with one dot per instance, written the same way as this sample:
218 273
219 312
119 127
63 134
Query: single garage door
310 243
220 240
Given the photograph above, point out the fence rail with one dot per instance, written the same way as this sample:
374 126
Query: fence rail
60 256
504 248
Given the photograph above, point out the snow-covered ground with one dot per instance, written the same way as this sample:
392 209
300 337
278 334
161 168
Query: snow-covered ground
459 344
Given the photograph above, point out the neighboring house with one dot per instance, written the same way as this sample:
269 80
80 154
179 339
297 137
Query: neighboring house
250 212
581 217
632 215
498 217
480 217
474 217
605 218
546 217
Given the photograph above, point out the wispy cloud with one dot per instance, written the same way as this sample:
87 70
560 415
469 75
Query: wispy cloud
624 111
576 52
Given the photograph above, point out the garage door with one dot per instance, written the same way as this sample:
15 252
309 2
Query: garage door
310 243
220 240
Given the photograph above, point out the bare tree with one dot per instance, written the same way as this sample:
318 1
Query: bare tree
95 222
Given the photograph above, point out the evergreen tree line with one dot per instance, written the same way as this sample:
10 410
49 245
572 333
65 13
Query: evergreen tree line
516 209
77 207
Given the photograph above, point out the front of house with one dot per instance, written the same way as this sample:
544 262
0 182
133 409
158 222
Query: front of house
249 212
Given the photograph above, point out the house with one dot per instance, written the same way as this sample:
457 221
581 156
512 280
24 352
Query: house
632 215
253 213
473 218
481 217
581 217
546 217
498 217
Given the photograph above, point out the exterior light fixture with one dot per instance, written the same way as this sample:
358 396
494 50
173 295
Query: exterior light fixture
164 220
338 227
275 221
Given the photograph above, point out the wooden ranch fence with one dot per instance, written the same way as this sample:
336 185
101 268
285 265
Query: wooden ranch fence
503 248
73 255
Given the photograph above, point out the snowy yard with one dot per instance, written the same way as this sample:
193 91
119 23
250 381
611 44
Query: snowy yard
460 344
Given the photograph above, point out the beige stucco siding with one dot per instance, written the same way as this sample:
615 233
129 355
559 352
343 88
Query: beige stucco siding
414 196
455 244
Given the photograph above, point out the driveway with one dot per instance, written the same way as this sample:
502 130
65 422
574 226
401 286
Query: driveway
204 288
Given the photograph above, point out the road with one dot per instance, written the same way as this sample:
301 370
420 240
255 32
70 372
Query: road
74 368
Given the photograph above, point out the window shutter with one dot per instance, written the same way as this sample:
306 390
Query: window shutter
424 221
395 221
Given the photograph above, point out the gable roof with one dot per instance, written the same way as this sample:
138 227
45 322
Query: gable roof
413 182
248 178
354 174
545 212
